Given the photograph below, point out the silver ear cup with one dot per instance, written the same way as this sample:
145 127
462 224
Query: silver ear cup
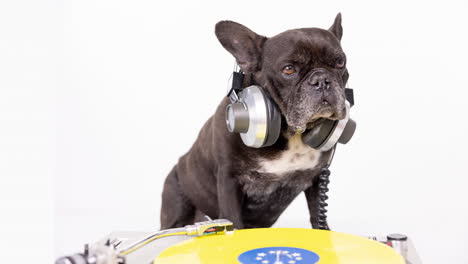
328 133
237 118
255 116
337 131
255 102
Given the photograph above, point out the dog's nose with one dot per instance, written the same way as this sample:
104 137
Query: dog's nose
320 81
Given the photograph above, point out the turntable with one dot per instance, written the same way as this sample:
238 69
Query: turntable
216 241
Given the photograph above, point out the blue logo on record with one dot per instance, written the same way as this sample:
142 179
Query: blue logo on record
278 255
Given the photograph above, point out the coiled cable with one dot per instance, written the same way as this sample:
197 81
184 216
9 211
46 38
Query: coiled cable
324 180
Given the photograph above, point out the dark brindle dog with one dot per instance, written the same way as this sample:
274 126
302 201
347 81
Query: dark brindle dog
220 176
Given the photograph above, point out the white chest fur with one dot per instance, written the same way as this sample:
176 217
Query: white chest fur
298 156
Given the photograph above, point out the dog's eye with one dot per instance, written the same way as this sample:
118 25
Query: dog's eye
288 70
340 63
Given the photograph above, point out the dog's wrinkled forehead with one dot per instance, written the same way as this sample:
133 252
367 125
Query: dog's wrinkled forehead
251 49
304 46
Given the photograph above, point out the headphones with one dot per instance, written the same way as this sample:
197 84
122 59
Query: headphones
256 117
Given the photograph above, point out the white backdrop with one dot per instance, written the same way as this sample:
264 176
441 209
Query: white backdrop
136 80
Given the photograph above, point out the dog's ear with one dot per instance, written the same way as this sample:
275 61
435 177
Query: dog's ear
336 28
244 44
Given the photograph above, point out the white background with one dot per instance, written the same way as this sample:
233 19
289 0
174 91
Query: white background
98 99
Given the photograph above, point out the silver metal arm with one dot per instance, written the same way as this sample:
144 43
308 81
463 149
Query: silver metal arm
137 247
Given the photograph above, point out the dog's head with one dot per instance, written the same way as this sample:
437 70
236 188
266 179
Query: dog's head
303 70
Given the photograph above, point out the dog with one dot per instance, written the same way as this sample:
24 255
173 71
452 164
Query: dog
223 178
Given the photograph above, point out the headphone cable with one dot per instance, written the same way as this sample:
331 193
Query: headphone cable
323 181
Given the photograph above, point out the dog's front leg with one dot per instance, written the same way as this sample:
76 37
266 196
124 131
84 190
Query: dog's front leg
229 198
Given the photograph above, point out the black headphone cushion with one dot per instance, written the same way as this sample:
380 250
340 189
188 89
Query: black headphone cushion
319 134
348 132
273 121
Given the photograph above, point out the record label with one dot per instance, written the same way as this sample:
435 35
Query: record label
273 255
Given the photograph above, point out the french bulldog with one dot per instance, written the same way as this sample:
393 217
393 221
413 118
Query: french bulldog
304 72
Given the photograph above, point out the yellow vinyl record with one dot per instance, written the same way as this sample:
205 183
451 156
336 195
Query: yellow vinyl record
280 246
